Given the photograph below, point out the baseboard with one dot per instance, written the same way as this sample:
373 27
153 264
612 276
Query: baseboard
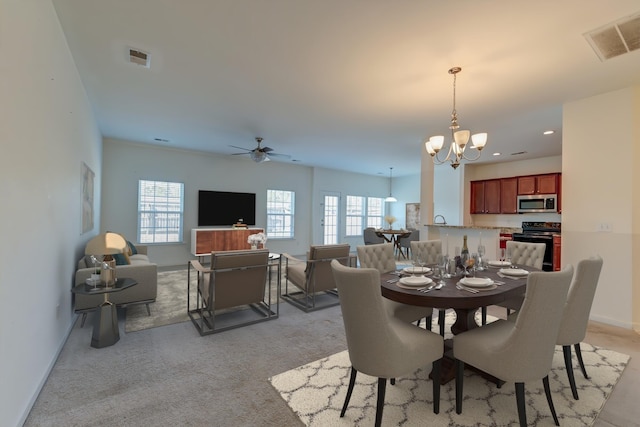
612 322
44 379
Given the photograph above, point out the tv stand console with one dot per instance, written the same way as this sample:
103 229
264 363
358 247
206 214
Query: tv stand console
206 240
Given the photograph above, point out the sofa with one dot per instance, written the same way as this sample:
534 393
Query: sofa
139 268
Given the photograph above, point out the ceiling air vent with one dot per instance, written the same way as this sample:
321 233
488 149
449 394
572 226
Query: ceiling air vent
616 38
139 57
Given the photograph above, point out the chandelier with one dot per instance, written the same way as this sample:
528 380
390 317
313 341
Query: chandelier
460 138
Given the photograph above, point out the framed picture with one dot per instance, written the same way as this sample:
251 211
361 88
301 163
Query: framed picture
413 215
87 198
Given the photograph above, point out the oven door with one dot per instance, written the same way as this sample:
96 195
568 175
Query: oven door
547 263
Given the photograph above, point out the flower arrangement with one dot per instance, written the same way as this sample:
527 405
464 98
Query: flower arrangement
255 239
390 219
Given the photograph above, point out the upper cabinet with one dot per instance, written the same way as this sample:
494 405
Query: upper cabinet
485 196
538 184
509 195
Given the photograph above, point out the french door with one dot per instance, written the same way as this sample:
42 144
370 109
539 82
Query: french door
330 223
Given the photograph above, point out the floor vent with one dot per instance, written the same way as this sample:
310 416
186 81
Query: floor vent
616 38
139 57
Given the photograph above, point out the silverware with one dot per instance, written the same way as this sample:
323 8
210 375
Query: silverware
462 288
427 288
392 280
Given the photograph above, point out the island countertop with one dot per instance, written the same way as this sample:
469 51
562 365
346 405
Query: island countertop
504 230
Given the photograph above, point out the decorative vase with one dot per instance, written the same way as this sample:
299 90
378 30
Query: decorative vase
254 246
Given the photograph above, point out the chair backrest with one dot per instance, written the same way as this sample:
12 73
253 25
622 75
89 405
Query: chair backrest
428 250
526 355
405 240
576 312
237 278
370 237
381 257
525 253
318 267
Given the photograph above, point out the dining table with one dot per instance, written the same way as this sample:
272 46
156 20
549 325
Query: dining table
393 237
465 301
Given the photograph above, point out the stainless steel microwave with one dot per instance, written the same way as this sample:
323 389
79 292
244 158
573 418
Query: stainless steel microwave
538 203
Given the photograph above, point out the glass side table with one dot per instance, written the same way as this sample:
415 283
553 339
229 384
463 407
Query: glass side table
105 327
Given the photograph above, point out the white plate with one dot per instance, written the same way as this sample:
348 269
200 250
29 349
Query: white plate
476 282
416 270
514 271
496 263
415 281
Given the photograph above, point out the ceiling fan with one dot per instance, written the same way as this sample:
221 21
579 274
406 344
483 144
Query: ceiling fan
259 154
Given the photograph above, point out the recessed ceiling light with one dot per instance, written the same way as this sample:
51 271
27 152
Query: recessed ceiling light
497 154
549 132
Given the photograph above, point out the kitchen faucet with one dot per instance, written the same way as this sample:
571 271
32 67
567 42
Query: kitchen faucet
444 221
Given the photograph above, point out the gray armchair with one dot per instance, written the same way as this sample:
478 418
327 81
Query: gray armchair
518 351
370 237
379 344
406 240
236 280
313 277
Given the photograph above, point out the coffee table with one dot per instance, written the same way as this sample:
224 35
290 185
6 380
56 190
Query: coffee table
105 327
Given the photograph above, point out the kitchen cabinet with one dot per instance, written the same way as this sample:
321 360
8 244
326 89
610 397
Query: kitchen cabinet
485 197
538 184
509 195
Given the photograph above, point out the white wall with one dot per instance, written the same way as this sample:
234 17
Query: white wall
601 187
47 130
125 163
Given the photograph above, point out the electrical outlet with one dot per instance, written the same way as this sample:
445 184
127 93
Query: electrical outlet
604 227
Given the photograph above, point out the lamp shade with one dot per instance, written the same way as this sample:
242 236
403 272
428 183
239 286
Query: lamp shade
106 244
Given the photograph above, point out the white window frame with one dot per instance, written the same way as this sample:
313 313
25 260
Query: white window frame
160 212
281 214
376 219
355 215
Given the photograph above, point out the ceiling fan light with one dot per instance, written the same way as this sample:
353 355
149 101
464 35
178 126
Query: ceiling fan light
436 142
479 140
259 156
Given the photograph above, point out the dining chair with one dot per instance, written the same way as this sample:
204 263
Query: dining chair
405 243
313 277
521 350
381 345
430 251
381 257
370 237
522 253
573 327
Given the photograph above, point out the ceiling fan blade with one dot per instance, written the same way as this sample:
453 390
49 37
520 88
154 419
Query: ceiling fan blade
241 148
286 156
240 154
266 149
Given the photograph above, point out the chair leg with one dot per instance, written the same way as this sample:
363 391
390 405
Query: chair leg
522 413
579 354
382 386
84 317
435 377
441 315
484 315
428 321
547 391
352 381
148 309
566 350
393 381
459 384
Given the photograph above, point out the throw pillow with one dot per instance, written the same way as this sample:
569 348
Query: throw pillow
132 248
121 259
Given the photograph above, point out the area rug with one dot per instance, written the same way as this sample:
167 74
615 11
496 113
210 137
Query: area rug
316 392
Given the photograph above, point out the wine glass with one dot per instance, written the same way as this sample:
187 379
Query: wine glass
509 253
443 260
465 262
417 262
480 260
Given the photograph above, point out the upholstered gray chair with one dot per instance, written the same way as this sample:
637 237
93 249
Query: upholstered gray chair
522 253
381 257
313 277
430 251
576 314
405 242
234 280
370 237
381 345
518 351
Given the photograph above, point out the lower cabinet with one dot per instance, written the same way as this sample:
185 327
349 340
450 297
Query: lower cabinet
557 248
206 240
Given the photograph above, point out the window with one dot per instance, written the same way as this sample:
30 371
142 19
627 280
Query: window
361 210
160 211
355 215
375 209
280 211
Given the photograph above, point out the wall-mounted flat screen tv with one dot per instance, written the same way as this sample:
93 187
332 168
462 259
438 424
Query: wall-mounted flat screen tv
226 208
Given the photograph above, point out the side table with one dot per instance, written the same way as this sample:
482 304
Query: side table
105 327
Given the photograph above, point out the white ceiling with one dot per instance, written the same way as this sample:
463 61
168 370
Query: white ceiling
354 85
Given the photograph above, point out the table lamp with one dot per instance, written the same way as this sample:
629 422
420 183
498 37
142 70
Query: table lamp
106 244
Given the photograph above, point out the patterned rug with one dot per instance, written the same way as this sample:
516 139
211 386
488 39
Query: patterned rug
316 391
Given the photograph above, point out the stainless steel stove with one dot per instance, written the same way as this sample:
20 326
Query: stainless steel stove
540 232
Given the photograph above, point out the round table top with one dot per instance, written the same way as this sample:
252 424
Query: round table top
451 297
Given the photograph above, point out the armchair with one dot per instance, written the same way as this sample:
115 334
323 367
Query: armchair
314 277
235 279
